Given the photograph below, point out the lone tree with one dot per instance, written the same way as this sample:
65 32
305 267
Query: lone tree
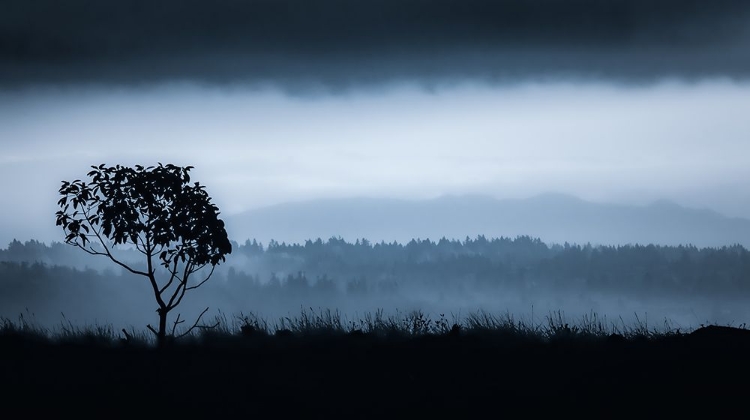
158 212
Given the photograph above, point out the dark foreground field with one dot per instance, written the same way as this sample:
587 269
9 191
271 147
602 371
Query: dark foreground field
458 373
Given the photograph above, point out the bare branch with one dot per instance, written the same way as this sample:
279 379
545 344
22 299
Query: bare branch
141 251
199 326
128 337
154 285
111 257
176 323
87 250
140 244
155 252
204 280
199 268
152 330
173 275
181 286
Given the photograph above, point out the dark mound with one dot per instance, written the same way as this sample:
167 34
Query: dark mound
715 334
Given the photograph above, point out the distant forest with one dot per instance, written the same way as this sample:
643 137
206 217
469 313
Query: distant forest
338 267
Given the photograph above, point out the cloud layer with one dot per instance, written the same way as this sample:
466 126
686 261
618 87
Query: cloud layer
682 142
339 43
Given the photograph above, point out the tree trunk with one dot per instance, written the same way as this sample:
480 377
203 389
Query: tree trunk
161 337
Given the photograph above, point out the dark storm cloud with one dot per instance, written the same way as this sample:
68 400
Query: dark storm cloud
343 42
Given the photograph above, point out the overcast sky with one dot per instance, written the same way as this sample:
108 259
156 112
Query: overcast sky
274 101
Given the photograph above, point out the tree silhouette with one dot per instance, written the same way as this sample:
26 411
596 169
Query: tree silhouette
158 212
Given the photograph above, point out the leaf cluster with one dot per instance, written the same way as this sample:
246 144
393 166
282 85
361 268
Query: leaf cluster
154 208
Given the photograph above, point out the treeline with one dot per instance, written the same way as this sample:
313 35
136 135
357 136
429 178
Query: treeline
522 263
338 267
56 254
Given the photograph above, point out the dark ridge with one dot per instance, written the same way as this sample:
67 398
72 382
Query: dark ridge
721 335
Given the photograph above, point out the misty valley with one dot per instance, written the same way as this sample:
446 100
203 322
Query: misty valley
672 287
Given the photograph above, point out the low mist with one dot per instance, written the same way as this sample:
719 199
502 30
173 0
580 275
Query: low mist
662 287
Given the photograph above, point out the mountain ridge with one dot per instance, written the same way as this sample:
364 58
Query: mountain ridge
552 217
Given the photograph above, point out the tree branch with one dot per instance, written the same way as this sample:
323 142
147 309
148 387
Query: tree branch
156 252
145 250
107 251
154 285
176 323
173 275
204 280
196 269
199 326
180 290
111 257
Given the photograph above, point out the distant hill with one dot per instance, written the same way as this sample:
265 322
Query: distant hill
554 218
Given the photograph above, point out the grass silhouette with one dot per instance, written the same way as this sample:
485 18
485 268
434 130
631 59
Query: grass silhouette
322 364
321 323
